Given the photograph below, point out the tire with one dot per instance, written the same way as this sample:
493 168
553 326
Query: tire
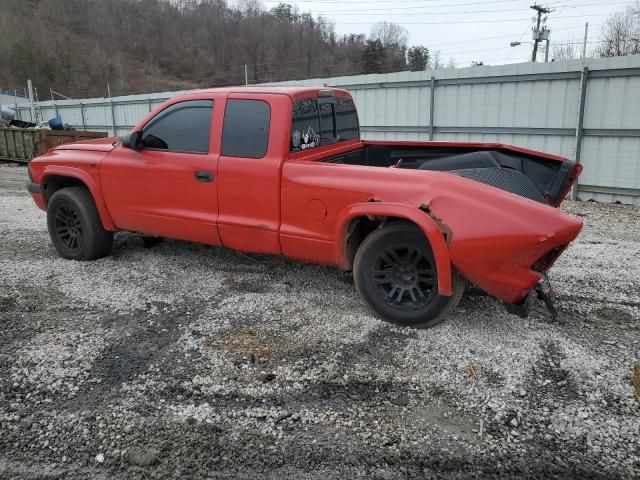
75 227
394 272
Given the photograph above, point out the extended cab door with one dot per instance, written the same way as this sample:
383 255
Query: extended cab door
167 186
254 139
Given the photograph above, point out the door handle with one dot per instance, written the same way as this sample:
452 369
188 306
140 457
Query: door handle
203 176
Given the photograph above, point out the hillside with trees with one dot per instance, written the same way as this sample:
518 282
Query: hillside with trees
77 47
84 48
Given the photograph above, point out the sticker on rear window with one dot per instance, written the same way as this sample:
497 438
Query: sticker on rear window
305 139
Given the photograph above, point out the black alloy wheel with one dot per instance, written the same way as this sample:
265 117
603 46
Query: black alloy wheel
395 273
68 227
75 227
405 277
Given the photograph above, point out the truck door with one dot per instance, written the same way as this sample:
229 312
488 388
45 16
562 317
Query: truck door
254 139
167 186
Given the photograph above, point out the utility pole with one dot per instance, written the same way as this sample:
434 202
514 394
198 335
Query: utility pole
546 52
537 33
246 75
584 44
32 109
38 108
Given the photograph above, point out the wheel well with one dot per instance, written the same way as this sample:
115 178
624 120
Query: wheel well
360 227
53 183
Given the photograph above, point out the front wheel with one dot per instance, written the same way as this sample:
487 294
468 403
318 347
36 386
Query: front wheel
75 227
395 273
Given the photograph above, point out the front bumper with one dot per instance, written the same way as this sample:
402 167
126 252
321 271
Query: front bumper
36 188
37 193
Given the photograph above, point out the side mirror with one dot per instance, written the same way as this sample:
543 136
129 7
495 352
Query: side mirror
132 140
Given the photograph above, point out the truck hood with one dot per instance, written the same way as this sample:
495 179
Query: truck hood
96 145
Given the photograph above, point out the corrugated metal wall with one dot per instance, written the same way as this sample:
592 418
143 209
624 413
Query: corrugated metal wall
531 105
116 115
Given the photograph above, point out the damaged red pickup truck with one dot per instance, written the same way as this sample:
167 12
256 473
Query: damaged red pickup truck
282 170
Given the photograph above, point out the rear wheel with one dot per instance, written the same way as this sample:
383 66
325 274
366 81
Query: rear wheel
75 227
395 273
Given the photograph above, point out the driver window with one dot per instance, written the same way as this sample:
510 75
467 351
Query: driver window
182 127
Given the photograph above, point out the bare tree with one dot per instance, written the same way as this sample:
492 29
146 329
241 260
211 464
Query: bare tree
564 51
621 34
393 39
389 34
437 61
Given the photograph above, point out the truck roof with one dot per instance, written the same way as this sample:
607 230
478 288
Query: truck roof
293 91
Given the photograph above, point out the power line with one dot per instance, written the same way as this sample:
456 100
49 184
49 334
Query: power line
428 3
465 12
368 2
473 40
372 11
422 6
460 21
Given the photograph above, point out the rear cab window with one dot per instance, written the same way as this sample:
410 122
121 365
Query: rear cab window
322 121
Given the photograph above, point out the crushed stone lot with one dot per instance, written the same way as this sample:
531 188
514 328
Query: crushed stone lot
187 361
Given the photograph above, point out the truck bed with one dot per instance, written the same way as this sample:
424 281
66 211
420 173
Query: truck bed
540 177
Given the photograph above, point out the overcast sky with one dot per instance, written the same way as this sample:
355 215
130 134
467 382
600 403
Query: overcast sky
467 30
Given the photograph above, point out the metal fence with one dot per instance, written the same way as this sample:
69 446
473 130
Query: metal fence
587 111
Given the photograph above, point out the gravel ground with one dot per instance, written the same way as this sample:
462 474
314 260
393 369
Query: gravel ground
181 361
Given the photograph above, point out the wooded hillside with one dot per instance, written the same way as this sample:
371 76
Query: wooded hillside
76 47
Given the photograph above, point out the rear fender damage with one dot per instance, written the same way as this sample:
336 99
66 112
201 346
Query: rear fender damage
446 231
426 223
542 291
502 243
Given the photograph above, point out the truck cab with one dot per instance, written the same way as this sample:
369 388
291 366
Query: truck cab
207 167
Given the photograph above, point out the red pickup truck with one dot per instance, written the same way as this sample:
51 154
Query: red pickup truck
283 170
